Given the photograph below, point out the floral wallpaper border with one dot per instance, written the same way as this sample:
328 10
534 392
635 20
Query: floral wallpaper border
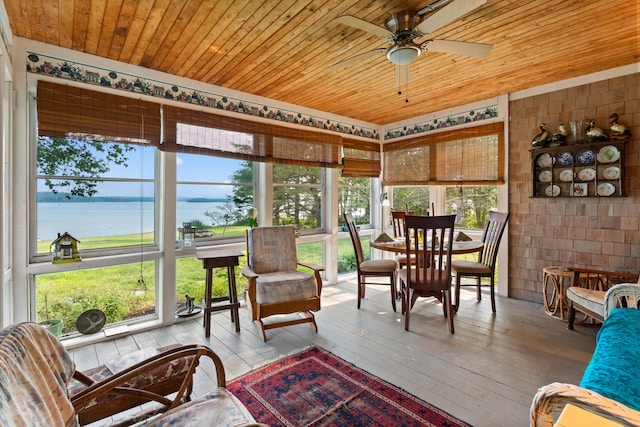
488 112
43 64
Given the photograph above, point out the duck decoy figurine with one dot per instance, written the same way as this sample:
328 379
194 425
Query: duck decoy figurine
540 139
558 138
594 133
618 130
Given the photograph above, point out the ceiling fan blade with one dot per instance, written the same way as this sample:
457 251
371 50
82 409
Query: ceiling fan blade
478 50
363 25
449 13
356 58
402 74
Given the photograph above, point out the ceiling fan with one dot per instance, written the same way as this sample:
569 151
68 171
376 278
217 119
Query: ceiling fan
405 32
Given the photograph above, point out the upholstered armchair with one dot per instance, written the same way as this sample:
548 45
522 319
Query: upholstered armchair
276 285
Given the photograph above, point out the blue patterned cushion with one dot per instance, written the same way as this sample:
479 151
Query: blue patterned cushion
614 368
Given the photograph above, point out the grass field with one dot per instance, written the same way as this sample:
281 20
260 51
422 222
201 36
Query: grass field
129 290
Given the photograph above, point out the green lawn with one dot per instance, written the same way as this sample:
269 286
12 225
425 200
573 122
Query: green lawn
119 290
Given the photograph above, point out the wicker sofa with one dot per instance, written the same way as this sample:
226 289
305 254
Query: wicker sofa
36 372
609 386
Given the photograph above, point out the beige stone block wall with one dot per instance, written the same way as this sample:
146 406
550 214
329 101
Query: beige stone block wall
582 232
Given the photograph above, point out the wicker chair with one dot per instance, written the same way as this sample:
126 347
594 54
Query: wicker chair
588 290
551 399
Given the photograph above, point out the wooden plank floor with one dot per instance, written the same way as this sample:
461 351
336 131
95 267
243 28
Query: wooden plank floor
486 373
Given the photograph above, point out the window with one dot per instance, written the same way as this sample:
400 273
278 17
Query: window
297 196
471 204
411 199
354 196
214 195
117 291
94 168
100 193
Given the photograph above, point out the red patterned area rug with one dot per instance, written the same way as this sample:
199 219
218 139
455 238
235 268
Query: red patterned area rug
316 388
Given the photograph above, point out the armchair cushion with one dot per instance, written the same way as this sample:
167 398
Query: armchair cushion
590 299
614 369
275 247
285 286
216 408
34 371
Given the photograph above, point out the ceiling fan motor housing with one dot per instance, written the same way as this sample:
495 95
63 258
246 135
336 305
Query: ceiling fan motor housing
404 50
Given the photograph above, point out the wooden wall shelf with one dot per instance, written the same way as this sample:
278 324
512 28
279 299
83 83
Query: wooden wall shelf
581 170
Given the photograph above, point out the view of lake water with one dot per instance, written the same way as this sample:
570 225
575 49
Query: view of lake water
94 219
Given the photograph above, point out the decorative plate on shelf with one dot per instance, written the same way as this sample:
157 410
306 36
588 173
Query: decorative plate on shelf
606 189
566 175
564 159
612 172
579 189
585 157
545 176
552 191
587 174
545 160
608 154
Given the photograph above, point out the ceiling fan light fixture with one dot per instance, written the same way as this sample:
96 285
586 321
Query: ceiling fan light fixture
403 54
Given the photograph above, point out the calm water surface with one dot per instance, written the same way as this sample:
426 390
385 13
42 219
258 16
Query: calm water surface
95 219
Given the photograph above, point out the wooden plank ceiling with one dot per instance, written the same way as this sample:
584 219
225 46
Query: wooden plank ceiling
280 49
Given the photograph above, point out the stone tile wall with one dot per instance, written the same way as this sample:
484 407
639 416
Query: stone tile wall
585 232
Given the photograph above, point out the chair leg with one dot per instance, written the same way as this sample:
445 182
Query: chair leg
457 305
446 298
406 296
478 291
493 295
360 285
572 316
263 334
393 291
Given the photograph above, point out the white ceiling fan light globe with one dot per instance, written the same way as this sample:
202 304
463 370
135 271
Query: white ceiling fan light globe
403 54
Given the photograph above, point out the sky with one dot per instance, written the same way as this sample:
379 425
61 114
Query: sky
189 167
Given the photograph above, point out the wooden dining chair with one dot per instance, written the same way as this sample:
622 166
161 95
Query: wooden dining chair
371 268
486 264
430 276
397 218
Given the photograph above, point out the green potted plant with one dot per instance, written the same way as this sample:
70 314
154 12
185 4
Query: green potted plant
53 325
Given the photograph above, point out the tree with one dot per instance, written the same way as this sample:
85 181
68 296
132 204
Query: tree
74 158
225 214
243 195
473 203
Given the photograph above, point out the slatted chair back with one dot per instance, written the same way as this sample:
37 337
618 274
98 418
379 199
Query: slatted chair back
491 237
355 237
427 237
397 218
